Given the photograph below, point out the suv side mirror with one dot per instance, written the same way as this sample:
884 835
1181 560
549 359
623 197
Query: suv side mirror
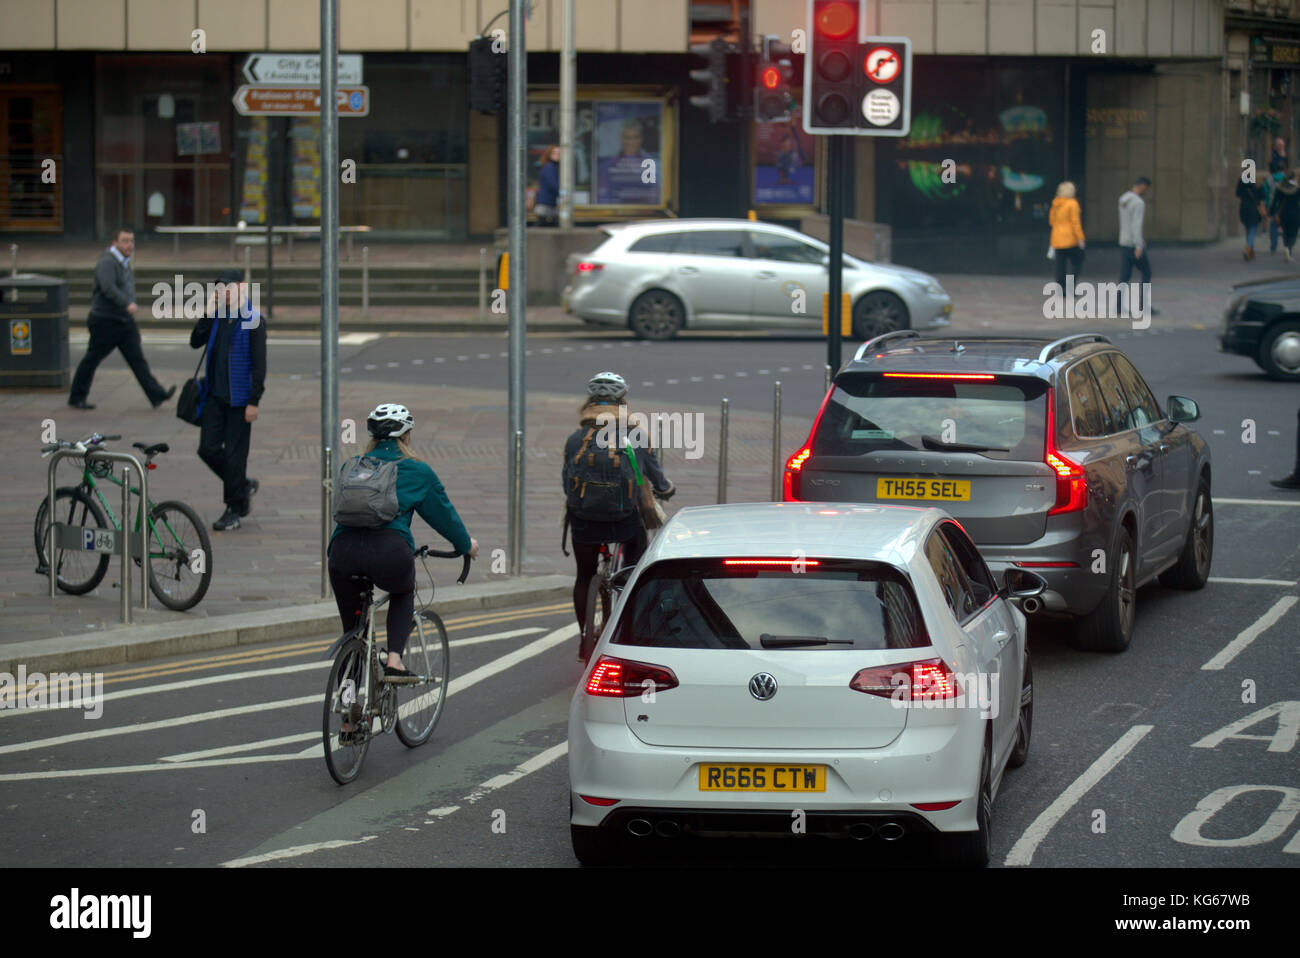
1022 584
1182 409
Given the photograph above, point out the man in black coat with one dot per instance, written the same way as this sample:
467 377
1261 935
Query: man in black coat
112 325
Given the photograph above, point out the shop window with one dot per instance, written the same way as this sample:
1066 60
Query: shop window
31 135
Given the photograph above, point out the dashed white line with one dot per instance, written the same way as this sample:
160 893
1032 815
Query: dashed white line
417 362
1022 852
670 382
761 372
1280 583
296 851
715 376
694 379
345 369
1257 502
484 356
462 358
390 366
538 761
646 382
742 374
1251 633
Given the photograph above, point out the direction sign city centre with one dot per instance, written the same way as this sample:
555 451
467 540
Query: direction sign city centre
274 68
298 100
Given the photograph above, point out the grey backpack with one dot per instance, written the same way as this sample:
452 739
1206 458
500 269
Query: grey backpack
365 496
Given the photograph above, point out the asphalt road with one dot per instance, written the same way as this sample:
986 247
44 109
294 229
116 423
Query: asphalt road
1133 760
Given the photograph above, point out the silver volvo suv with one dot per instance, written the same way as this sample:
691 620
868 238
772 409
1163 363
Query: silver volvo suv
1054 456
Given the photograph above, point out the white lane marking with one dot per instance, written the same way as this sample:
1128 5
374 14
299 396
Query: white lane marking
480 356
459 358
761 372
715 376
414 362
1217 432
243 747
368 366
1022 852
1271 432
670 382
345 369
264 673
1251 633
644 383
694 379
294 376
1254 472
483 672
541 760
390 366
782 369
1257 502
183 339
738 374
1276 582
295 851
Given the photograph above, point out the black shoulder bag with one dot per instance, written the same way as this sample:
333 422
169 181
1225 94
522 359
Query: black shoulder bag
187 405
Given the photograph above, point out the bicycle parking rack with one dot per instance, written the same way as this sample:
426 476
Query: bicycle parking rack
74 537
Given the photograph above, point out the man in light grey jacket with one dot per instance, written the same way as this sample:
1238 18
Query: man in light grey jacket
1132 245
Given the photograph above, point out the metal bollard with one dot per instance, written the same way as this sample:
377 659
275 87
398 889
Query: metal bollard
248 269
13 255
327 514
482 285
516 524
365 282
828 378
776 441
125 536
722 456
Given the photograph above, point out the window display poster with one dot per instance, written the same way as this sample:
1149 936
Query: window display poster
544 132
305 137
784 171
252 207
628 143
194 139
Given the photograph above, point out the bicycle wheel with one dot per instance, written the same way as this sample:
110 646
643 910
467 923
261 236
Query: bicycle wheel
77 571
173 538
427 654
342 705
598 599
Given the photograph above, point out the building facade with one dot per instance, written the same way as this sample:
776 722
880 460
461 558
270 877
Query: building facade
1010 97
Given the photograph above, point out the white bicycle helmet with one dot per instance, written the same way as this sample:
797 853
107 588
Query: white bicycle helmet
389 420
607 386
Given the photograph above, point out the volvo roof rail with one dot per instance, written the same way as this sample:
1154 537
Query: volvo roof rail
1069 342
896 334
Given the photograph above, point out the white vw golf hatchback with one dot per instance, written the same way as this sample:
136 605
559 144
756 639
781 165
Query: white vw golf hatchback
818 668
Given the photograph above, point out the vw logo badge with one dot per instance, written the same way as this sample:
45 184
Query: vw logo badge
762 686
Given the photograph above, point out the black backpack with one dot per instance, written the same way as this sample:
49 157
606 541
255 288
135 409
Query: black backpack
599 482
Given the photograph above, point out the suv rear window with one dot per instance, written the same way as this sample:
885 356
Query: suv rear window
655 243
1002 418
706 604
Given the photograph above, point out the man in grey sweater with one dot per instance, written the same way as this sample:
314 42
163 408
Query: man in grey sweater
1132 245
112 325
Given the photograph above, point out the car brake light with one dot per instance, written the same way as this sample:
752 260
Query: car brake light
938 375
792 490
772 562
588 267
603 802
1071 480
926 680
621 678
935 806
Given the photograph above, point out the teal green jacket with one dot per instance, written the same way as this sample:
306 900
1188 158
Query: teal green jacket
420 490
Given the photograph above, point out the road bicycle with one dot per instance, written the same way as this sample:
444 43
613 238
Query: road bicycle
359 706
177 540
600 595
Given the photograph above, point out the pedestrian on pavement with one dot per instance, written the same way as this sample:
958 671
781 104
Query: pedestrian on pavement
385 552
1250 210
112 324
1278 161
1132 245
231 390
599 481
548 189
1269 187
1286 207
1292 481
1067 240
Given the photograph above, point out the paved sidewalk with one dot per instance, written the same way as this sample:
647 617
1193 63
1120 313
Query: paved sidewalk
273 562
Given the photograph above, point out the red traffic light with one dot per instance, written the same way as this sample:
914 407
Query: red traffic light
835 20
771 78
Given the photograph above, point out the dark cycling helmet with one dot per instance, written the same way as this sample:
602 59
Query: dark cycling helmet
607 386
389 420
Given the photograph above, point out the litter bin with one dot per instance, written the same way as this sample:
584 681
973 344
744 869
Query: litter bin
34 324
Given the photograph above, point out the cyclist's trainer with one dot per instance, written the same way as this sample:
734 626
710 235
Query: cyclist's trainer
385 552
600 482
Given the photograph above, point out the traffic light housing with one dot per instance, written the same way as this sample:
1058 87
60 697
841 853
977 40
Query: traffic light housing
487 77
772 98
830 66
714 79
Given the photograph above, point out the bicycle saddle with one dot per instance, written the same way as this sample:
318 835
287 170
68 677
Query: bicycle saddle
155 449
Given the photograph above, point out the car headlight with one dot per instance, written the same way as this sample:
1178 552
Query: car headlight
926 285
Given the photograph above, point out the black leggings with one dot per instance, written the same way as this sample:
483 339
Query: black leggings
587 556
383 555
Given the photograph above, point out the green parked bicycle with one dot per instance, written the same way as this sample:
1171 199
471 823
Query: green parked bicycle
175 534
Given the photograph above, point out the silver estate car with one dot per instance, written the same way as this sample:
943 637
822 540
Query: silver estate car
1054 456
662 276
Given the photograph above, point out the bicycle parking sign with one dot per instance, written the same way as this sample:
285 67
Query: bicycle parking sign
98 540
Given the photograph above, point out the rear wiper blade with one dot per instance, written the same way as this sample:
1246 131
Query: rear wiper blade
795 641
931 443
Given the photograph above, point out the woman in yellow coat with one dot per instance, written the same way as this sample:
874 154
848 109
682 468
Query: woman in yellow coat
1067 241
